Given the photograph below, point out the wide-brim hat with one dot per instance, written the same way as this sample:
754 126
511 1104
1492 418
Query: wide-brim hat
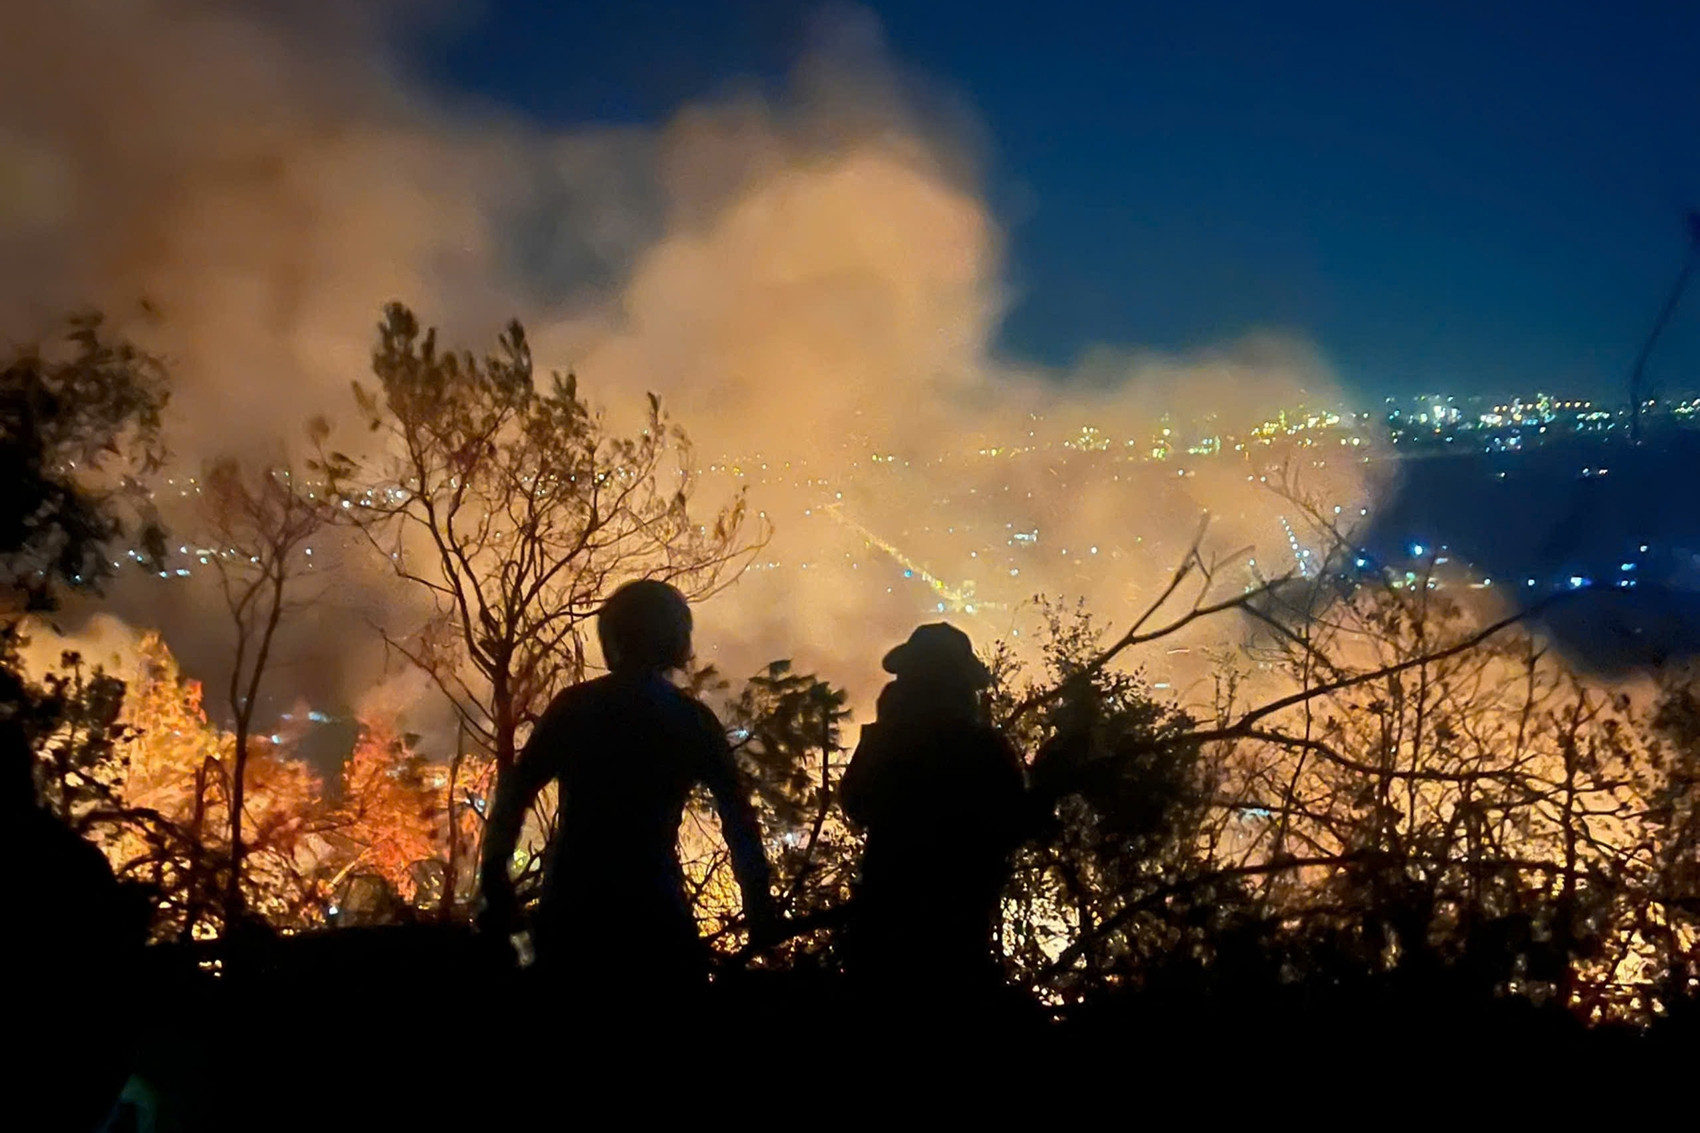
938 652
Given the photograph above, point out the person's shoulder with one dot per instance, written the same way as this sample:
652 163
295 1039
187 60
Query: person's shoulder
992 745
700 712
976 732
574 698
580 703
692 724
674 705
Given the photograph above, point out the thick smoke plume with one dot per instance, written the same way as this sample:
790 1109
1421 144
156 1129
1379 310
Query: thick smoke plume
809 278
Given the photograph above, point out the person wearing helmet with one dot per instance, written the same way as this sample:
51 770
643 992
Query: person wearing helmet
625 749
941 795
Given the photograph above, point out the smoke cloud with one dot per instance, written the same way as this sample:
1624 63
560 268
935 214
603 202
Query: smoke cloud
810 278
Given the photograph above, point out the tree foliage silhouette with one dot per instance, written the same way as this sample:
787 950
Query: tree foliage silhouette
77 427
514 510
259 522
784 727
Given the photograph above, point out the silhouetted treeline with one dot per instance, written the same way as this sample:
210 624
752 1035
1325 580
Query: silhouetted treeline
1392 821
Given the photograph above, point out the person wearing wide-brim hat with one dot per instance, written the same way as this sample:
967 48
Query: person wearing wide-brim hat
940 793
938 654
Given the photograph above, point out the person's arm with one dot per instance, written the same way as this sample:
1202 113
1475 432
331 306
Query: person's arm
515 792
740 828
866 780
1006 805
1062 758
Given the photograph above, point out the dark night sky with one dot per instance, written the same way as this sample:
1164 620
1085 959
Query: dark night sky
1460 195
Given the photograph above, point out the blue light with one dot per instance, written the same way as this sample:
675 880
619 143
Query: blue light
1360 562
1418 550
1627 566
1577 582
908 574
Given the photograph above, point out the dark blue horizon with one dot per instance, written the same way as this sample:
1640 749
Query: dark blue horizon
1440 198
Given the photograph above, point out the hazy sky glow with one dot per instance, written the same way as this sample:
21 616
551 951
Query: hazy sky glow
887 270
1476 196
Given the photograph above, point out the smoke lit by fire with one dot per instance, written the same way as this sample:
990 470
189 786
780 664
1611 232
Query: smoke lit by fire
809 277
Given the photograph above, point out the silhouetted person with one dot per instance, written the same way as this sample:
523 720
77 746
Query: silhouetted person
940 793
626 750
74 946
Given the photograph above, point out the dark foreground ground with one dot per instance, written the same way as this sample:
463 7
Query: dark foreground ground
424 1028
